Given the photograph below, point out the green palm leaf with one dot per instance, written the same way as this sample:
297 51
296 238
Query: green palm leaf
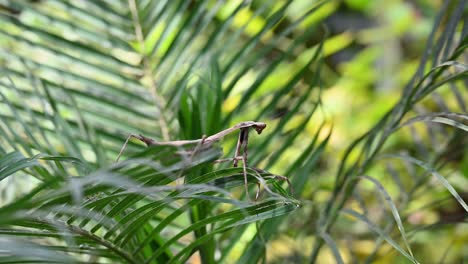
77 77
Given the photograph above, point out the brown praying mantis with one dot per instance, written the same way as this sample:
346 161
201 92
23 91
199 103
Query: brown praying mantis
242 143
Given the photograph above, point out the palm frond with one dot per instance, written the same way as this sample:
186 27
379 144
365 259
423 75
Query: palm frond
78 77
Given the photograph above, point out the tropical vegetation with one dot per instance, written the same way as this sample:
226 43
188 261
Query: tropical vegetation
372 137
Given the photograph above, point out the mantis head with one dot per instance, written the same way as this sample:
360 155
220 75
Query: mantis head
259 127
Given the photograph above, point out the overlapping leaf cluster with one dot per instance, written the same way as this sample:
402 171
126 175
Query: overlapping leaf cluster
78 76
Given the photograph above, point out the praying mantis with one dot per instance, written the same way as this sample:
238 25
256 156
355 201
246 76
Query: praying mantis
240 153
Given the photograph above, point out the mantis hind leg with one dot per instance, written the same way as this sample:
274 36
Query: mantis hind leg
148 141
125 145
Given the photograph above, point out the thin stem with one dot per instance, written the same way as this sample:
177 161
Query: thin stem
160 102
